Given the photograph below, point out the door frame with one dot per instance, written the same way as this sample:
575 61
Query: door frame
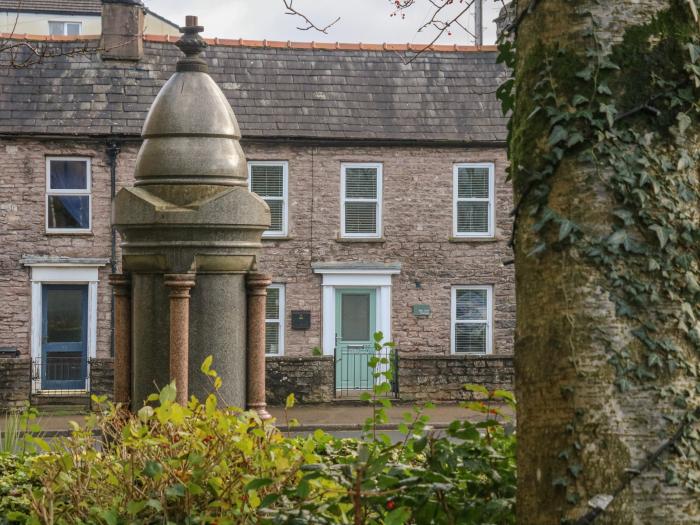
63 272
335 276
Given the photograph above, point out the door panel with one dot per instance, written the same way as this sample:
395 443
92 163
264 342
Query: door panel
64 337
355 326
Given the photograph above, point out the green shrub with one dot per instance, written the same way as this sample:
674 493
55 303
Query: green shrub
208 464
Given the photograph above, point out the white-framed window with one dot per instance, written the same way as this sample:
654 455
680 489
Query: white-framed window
274 320
361 200
473 200
68 194
269 180
472 318
59 28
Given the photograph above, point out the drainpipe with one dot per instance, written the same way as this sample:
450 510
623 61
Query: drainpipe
113 150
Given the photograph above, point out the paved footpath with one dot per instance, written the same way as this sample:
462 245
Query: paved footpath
329 417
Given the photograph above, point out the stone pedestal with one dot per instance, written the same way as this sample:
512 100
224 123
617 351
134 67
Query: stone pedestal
190 213
257 295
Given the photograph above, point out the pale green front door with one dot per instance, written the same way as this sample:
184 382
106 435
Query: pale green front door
355 324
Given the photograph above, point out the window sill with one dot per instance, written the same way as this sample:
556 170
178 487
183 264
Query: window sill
72 234
278 238
350 240
475 239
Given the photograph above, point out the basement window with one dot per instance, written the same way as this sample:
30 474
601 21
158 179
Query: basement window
361 200
68 195
274 320
472 318
269 181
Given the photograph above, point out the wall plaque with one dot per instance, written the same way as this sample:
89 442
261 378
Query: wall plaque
421 310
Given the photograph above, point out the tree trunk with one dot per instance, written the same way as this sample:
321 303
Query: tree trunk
606 182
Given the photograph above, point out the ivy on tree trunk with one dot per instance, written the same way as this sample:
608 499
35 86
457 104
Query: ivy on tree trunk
604 150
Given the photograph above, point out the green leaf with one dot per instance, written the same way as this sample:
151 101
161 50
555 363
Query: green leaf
206 364
134 507
565 229
110 516
168 394
289 402
557 135
175 491
398 516
479 389
152 469
661 234
258 483
578 100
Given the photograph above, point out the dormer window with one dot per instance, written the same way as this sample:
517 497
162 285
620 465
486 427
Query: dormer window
58 28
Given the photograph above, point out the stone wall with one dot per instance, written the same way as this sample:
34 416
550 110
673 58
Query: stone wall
310 379
441 378
102 378
15 386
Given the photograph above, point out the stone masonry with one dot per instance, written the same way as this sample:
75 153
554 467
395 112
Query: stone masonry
310 379
14 382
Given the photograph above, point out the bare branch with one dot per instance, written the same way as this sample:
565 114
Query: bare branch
441 25
288 4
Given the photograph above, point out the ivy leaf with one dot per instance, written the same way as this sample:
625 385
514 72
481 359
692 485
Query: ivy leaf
617 238
565 229
683 122
574 138
661 234
578 100
691 283
557 135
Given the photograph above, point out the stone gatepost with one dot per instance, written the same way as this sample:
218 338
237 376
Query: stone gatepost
191 232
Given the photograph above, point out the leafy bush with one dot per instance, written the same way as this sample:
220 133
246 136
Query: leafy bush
206 464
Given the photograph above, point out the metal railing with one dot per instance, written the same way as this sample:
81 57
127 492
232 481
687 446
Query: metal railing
60 375
353 374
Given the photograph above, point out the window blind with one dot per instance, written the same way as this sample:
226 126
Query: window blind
273 320
361 200
473 200
471 320
267 180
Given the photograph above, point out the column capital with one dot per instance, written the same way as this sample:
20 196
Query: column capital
179 283
121 282
258 282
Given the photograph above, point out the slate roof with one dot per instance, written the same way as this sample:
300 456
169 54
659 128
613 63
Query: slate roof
276 91
91 7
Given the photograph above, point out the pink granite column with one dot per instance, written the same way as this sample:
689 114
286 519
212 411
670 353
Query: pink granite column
179 284
121 286
257 284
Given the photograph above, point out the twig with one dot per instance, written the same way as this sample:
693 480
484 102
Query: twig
309 24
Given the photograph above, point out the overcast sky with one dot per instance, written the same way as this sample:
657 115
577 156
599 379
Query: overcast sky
360 20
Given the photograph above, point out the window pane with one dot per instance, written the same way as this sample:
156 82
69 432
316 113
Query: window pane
64 316
72 29
268 180
56 28
471 305
272 338
355 320
68 175
472 217
361 183
360 217
473 183
470 337
69 211
276 215
272 306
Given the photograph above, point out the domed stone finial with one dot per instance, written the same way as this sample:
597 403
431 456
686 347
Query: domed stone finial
192 44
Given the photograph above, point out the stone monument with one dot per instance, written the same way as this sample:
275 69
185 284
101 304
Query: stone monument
191 235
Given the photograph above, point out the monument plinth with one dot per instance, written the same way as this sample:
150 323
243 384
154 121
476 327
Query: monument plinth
191 232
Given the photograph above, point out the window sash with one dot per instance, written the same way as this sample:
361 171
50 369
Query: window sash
377 201
487 322
60 28
456 199
284 198
279 321
86 192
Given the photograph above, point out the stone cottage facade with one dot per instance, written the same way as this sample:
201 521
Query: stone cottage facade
386 184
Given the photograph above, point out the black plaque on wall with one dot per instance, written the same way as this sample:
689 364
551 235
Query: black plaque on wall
301 319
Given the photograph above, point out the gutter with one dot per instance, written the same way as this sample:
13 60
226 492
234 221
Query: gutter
113 149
